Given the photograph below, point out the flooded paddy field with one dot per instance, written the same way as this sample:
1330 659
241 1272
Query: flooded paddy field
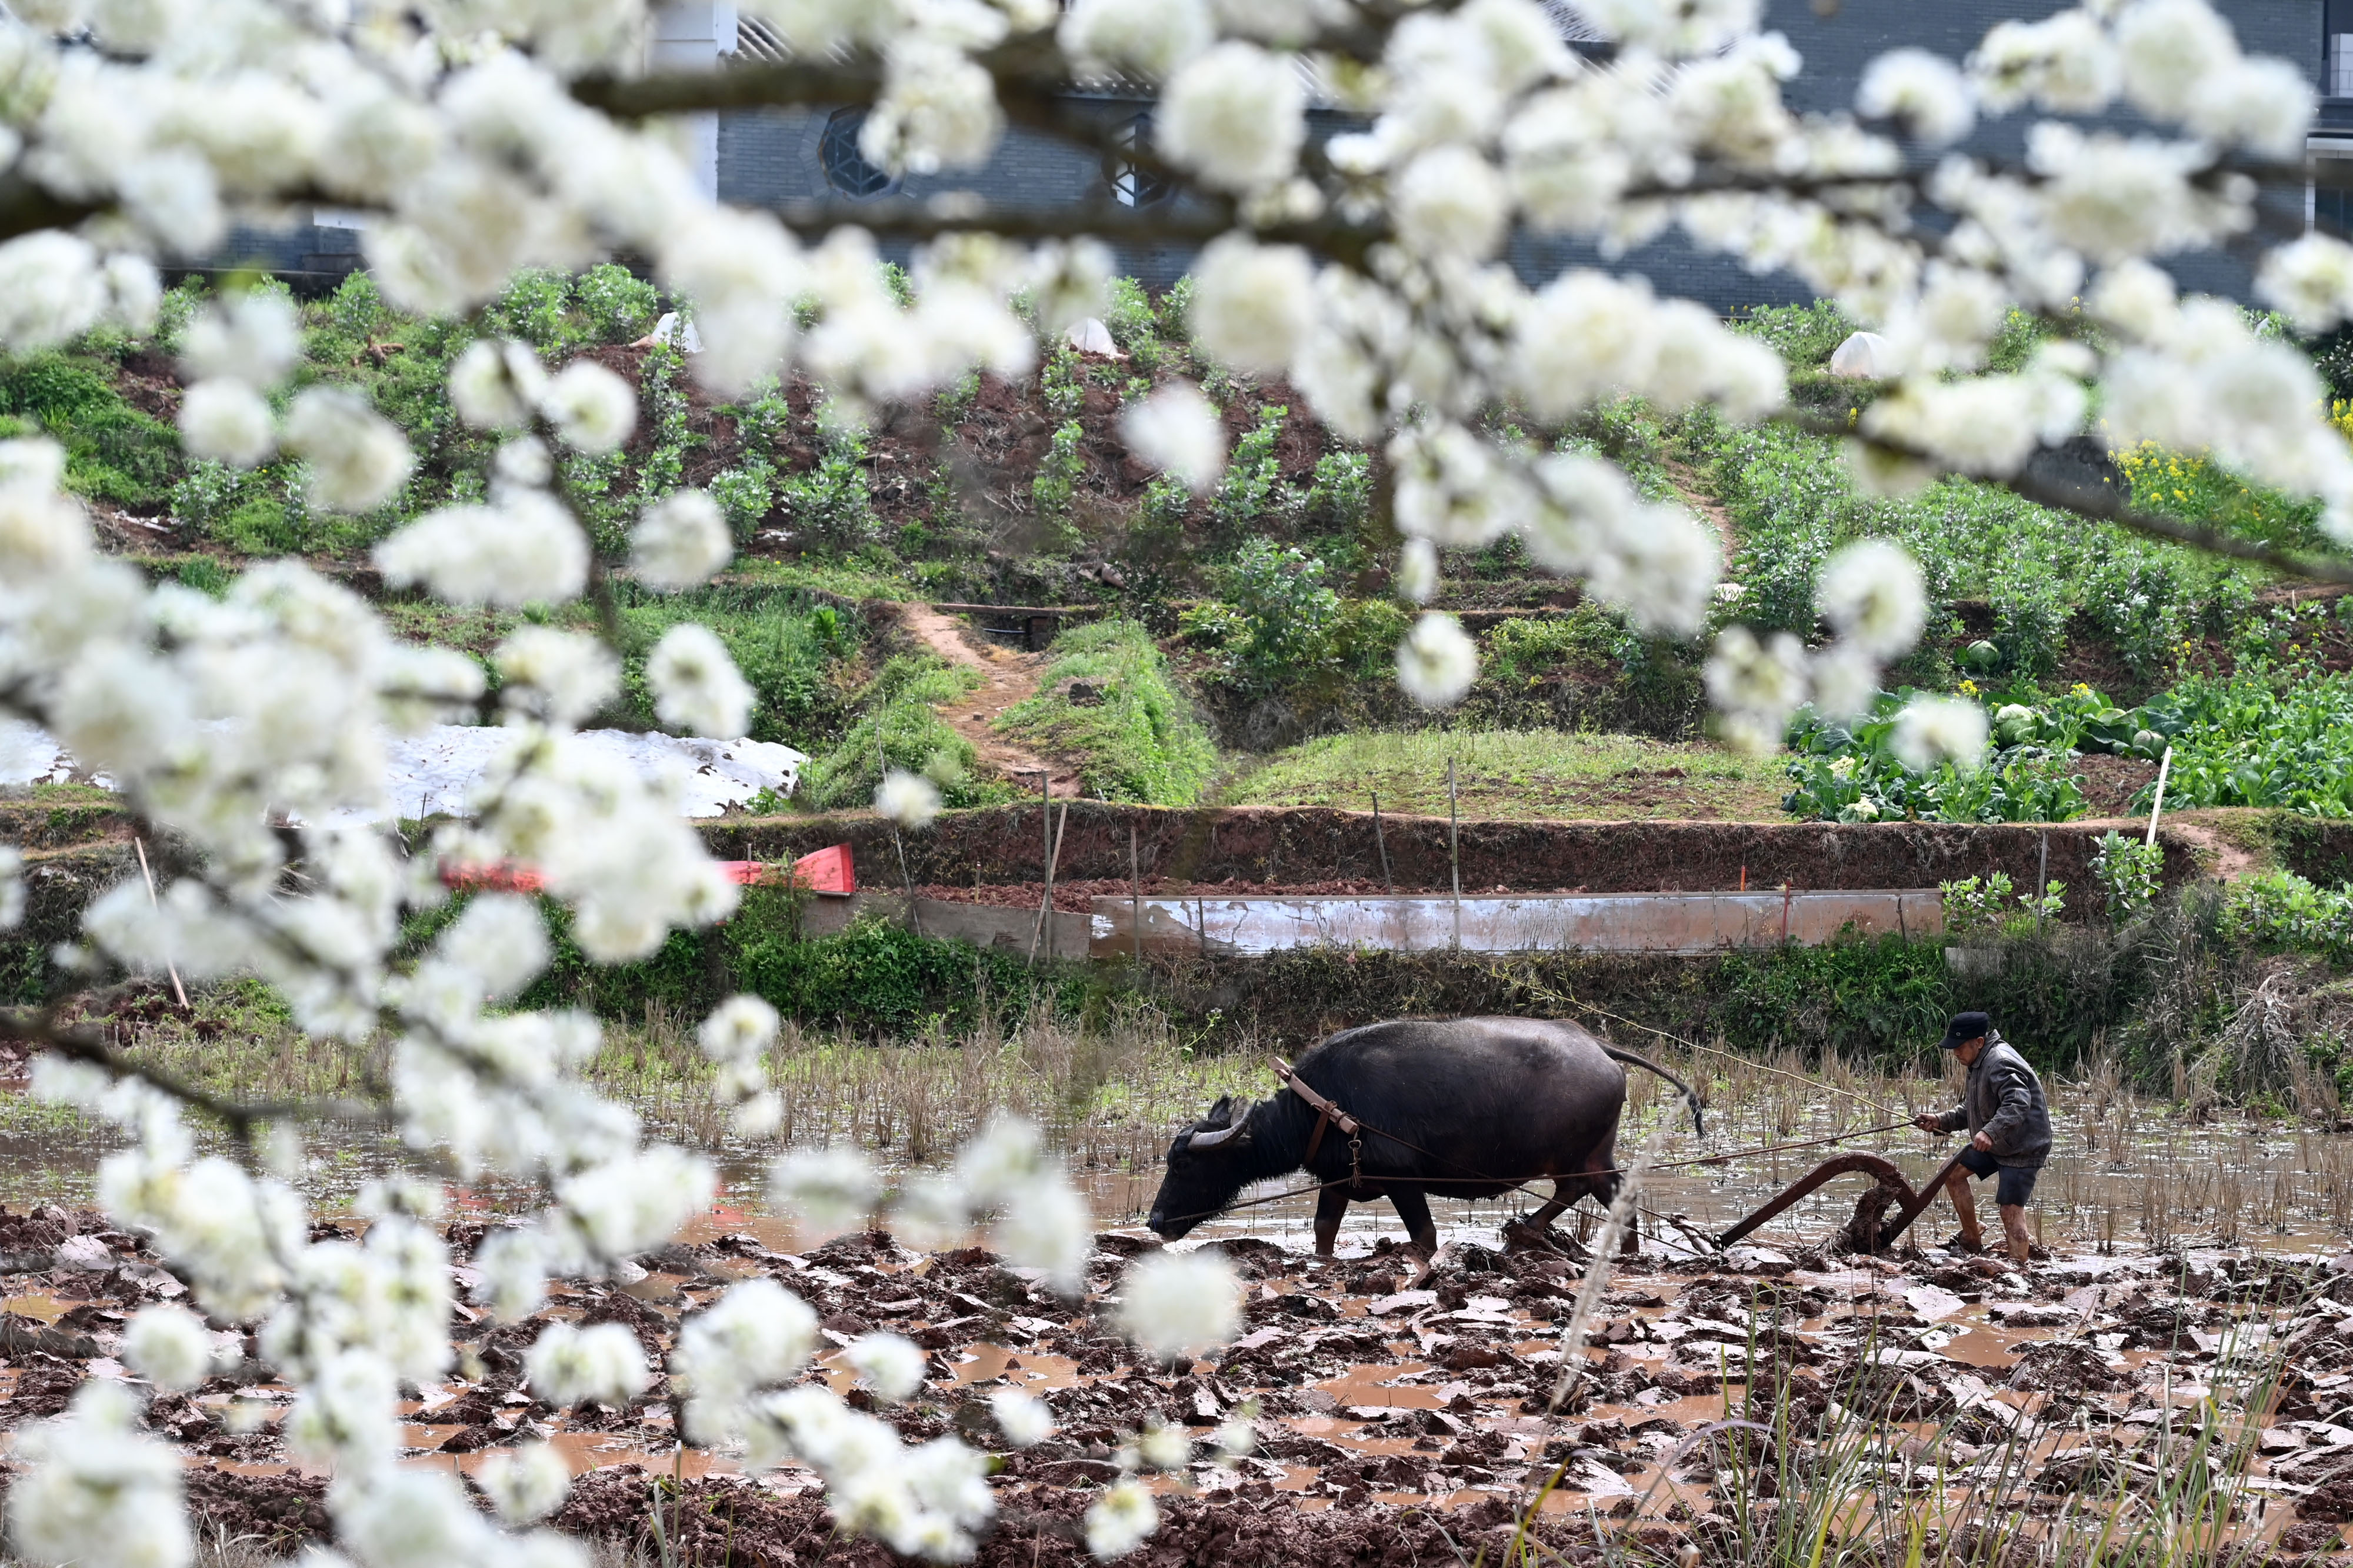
2172 1376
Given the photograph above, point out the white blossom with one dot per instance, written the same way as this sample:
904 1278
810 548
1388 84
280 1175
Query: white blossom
168 1347
907 800
1178 431
525 1484
696 685
495 386
1235 115
98 1491
1925 90
679 541
1417 572
1121 1519
592 410
253 337
831 1188
228 421
1150 36
1935 730
566 1366
1755 686
1180 1303
557 675
529 549
1251 303
1452 202
1437 661
889 1364
738 1029
1025 1419
357 458
1874 595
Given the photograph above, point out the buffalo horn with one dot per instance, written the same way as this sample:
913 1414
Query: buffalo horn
1211 1140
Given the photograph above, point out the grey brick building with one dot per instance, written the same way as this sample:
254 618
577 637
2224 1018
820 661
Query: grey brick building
808 157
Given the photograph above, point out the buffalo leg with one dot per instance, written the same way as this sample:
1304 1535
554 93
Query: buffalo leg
1331 1208
1414 1209
1605 1192
1551 1210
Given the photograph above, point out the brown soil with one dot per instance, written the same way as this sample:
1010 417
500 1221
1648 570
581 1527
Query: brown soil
1399 1421
2110 783
1008 678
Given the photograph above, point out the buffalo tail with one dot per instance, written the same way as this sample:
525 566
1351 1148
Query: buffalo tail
1689 1098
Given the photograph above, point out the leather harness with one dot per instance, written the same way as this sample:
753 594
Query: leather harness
1326 1114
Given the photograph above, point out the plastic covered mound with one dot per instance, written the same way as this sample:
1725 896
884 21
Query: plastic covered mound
437 770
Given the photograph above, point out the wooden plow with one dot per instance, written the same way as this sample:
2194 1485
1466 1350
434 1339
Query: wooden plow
1874 1228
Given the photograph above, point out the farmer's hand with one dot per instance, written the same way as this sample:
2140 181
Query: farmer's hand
1981 1144
1926 1121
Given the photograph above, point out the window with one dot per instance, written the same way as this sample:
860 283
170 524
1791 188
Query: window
2336 68
846 168
1133 185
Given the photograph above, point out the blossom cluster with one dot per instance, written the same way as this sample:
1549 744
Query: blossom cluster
1367 268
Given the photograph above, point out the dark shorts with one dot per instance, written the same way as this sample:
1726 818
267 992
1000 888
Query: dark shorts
2017 1183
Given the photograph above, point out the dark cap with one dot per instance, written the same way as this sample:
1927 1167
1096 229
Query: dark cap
1964 1027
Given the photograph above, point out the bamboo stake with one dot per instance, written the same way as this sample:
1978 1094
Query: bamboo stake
1060 830
2163 768
169 967
1382 844
1454 853
1135 900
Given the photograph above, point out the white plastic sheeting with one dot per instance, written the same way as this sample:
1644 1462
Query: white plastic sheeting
434 772
438 770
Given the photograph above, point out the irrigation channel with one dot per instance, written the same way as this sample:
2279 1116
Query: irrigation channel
2174 1372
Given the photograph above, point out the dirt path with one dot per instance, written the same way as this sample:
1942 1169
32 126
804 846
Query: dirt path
1694 496
1008 677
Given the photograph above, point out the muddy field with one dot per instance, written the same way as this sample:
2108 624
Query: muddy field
1398 1423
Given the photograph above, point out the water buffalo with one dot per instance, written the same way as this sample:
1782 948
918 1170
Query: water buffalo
1461 1107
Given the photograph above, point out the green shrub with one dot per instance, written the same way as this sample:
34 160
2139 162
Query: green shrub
831 502
2277 912
534 307
1252 473
1879 998
746 493
1134 736
1804 335
619 306
1342 495
1990 906
1275 623
114 452
880 979
1059 473
2127 874
1850 774
2258 738
786 654
1590 637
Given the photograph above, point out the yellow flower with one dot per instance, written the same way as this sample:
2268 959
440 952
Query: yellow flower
1971 687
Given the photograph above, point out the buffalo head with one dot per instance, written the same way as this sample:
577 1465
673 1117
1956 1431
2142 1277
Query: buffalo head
1207 1166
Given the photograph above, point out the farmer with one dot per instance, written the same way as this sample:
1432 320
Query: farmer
2010 1130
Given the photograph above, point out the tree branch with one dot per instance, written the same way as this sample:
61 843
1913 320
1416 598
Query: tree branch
2105 505
39 1029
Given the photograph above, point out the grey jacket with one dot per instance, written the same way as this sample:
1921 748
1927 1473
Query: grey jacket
2004 1101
